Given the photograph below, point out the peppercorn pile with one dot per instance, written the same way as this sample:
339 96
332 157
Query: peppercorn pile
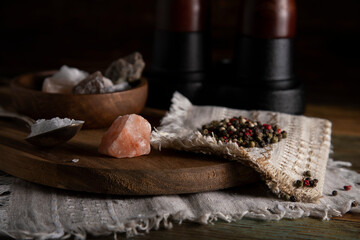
244 132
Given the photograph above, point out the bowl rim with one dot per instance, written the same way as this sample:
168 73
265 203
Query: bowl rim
14 84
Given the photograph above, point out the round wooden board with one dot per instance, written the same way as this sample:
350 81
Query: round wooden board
160 172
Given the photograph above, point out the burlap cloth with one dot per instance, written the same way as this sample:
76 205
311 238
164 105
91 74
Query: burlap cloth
30 211
280 165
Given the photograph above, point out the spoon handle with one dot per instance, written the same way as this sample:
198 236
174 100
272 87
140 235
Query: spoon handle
29 121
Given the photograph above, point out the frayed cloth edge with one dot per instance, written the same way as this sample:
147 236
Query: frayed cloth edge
281 210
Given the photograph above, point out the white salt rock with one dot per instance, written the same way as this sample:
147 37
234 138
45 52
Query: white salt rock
64 80
107 82
118 87
42 125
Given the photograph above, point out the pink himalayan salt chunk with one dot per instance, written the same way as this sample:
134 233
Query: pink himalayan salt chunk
128 136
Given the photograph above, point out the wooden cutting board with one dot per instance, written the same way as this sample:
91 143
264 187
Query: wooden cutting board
160 172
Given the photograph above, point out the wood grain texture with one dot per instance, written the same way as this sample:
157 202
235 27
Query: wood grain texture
165 172
345 119
97 110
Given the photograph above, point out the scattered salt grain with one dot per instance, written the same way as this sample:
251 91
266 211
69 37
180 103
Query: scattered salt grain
75 160
42 125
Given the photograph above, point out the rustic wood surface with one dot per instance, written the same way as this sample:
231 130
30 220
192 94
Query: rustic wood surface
97 110
165 172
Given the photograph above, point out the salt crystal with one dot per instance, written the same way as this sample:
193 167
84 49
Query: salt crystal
94 83
118 87
64 80
75 160
42 125
128 68
128 136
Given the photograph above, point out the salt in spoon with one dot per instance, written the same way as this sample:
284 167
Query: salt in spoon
49 138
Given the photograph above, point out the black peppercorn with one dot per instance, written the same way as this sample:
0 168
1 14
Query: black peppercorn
287 197
293 199
274 139
334 193
298 183
354 204
269 135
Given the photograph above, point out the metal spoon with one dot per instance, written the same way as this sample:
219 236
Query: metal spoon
49 138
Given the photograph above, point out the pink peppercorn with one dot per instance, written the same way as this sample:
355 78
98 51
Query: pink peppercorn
248 132
267 126
279 131
347 187
307 183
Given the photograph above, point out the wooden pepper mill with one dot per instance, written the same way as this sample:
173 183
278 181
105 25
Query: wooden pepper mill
181 51
264 64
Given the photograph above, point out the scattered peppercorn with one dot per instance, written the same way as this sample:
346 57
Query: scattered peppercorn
307 183
354 204
243 132
347 187
287 197
313 183
293 199
307 174
298 183
334 193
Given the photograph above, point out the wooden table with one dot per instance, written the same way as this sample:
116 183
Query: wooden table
346 141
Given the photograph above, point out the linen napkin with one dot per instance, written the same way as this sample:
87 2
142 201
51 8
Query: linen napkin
31 211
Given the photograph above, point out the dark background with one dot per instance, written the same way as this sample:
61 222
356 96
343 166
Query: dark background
41 35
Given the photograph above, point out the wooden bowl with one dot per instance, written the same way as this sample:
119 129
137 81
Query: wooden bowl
97 110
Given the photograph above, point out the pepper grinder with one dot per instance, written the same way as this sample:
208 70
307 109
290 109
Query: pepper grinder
263 61
181 50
